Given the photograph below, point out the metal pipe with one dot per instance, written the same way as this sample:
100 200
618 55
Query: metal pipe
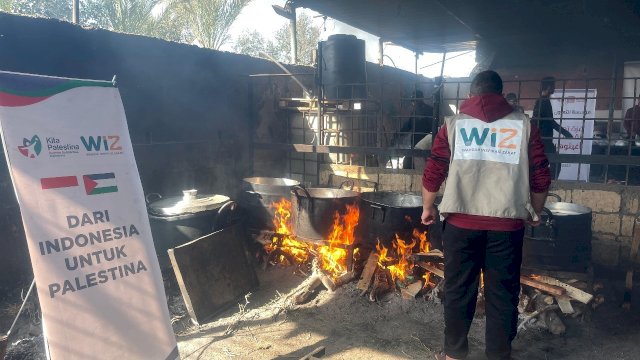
380 52
75 14
304 88
294 36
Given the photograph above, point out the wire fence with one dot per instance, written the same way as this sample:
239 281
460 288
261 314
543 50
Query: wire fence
590 127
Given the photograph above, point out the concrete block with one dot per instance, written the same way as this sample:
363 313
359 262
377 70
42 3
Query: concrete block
605 253
394 182
565 195
631 204
626 228
606 223
416 183
597 200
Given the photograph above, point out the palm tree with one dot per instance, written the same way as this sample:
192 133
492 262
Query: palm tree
208 21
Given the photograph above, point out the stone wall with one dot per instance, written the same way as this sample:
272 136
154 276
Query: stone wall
614 207
614 210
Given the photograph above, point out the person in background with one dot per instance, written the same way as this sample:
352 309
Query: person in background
495 183
512 99
632 121
543 118
419 125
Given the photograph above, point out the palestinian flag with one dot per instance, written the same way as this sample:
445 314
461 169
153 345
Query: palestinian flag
96 184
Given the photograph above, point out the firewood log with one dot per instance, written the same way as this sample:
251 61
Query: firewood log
550 317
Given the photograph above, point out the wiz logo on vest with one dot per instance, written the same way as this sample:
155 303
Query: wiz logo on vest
102 143
500 138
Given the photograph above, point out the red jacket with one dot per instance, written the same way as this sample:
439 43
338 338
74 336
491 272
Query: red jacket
488 108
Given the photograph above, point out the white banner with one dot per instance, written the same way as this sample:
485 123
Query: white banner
571 112
84 215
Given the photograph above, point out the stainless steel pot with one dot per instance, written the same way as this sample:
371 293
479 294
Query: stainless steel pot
177 220
258 193
562 242
313 210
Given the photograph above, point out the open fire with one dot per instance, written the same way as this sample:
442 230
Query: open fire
335 256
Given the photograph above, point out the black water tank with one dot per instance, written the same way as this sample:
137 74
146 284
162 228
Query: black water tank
342 67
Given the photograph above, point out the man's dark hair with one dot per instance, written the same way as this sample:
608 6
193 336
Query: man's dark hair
547 82
486 82
511 96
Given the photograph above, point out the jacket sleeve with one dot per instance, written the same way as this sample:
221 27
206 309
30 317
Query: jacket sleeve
437 167
539 173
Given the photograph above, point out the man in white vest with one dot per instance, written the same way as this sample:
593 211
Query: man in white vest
497 180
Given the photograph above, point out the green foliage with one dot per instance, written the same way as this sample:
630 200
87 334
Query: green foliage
208 21
253 43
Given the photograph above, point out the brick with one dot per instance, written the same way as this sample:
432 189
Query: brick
605 253
606 223
565 195
394 182
597 200
416 183
626 228
631 204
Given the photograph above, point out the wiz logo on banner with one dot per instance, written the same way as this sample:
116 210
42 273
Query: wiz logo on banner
499 141
101 143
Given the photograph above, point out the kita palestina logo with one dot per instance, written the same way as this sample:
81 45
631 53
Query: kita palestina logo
30 148
94 184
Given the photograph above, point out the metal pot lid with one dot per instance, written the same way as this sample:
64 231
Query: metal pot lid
328 193
393 199
565 208
271 181
177 205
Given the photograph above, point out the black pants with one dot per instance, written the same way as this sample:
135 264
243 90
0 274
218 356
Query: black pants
499 255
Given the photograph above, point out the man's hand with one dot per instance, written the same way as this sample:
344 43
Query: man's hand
428 215
533 223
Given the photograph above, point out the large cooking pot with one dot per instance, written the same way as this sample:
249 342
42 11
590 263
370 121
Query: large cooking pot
258 193
313 210
562 242
177 220
384 214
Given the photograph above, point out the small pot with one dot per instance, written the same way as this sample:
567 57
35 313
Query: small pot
562 242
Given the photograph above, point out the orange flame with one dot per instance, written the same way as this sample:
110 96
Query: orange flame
285 241
401 265
422 236
333 257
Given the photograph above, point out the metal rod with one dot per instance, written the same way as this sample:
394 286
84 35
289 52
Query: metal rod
304 88
75 12
294 36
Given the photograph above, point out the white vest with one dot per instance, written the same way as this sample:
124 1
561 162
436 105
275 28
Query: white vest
489 167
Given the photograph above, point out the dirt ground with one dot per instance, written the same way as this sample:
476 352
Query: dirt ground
352 327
